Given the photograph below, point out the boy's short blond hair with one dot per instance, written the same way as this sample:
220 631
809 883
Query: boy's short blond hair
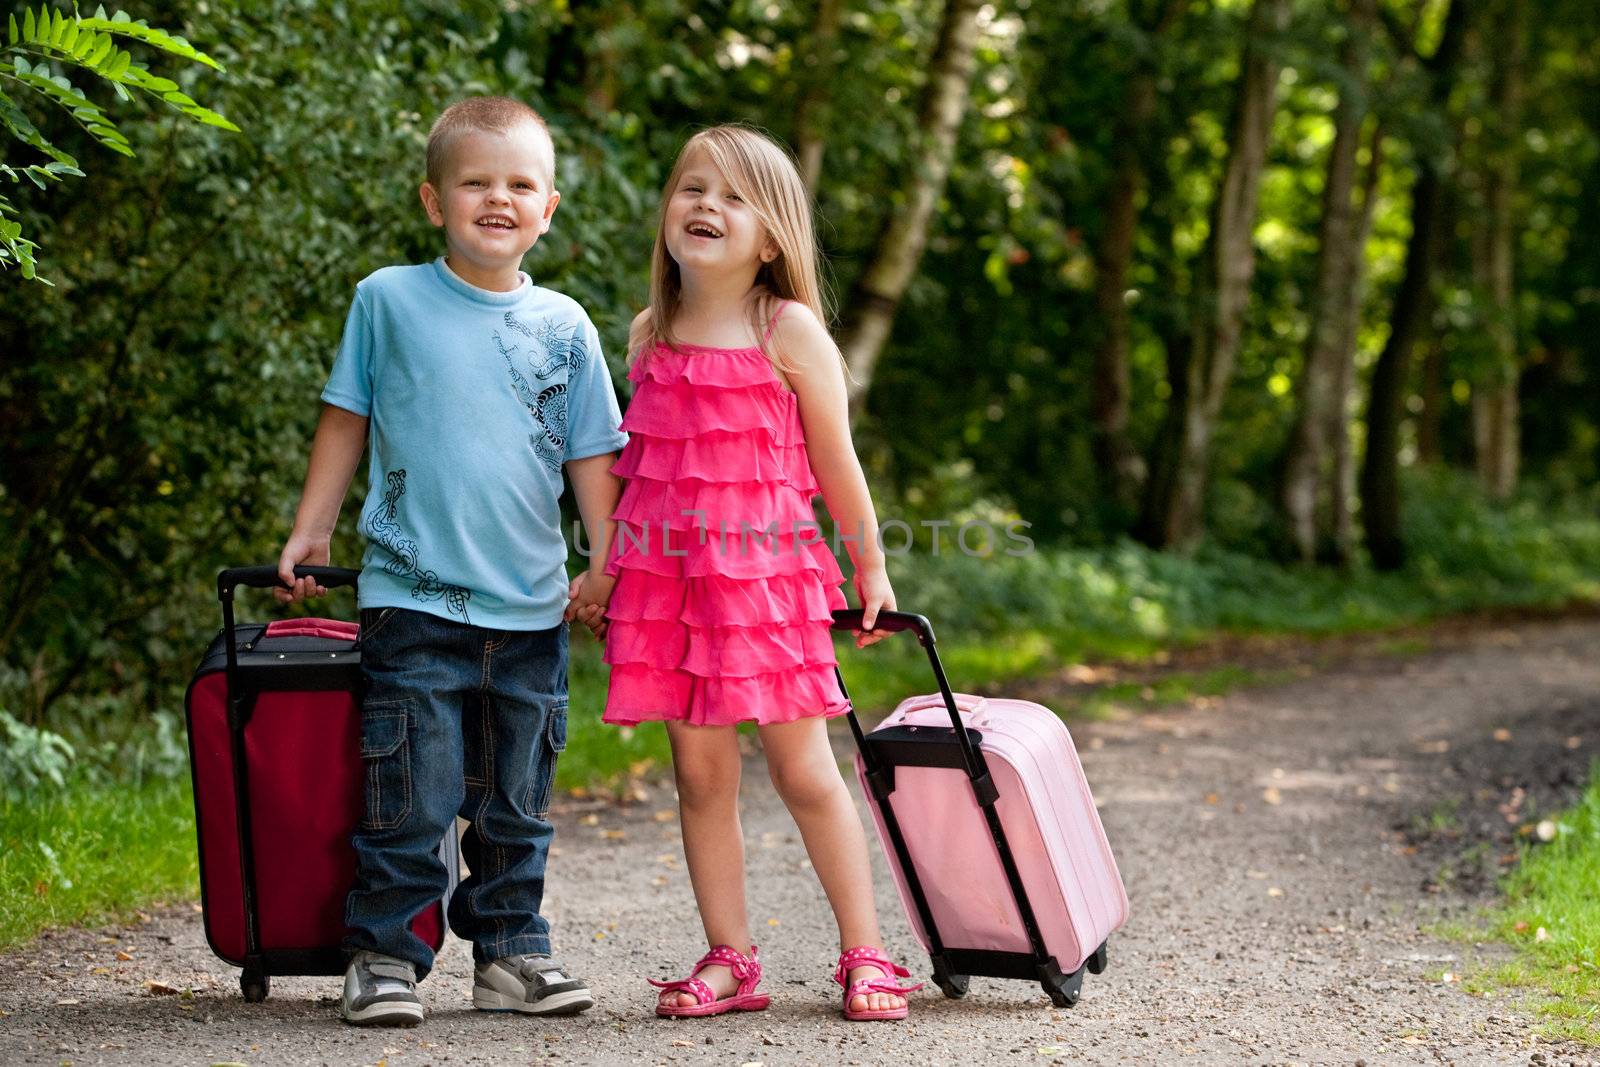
492 114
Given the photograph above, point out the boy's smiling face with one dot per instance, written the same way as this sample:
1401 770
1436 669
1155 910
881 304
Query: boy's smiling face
494 200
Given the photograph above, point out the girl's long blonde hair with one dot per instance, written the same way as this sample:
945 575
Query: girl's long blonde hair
763 173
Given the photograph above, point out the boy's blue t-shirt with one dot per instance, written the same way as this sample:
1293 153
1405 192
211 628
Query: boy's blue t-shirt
476 399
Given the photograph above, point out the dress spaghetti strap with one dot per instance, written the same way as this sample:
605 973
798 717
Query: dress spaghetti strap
772 324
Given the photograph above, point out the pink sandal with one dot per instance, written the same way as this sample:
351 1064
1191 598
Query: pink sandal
747 969
867 956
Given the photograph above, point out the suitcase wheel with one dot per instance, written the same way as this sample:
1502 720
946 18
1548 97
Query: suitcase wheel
255 987
1097 962
953 986
1064 991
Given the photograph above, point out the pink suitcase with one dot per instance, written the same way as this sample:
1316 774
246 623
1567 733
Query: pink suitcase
991 833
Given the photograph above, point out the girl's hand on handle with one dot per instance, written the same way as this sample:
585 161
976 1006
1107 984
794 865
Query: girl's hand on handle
300 549
875 594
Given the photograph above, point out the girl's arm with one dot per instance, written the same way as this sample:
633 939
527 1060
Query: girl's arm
817 376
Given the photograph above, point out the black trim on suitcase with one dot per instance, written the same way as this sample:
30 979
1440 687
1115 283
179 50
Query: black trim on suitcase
959 748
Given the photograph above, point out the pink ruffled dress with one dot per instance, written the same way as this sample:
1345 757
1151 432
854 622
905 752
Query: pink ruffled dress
722 604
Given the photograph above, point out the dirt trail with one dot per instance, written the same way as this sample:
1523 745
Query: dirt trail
1269 841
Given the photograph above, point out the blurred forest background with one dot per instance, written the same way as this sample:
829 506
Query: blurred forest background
1280 314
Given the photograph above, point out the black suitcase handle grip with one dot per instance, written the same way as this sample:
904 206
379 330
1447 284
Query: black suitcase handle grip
850 619
266 577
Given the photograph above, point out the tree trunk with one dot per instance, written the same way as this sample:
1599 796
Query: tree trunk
878 292
816 94
1494 400
1173 514
1413 308
1321 407
1341 513
1122 469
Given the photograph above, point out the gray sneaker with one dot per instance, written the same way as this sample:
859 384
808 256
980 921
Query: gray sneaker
534 985
381 991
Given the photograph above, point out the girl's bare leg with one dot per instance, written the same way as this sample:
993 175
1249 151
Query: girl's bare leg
803 770
705 764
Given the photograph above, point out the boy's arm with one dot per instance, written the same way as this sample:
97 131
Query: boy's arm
335 453
597 491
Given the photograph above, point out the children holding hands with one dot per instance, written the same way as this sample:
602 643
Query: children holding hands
476 391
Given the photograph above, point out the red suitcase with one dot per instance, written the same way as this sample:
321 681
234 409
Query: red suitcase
274 714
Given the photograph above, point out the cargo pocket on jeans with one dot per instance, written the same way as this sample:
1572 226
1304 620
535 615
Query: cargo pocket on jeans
555 743
386 757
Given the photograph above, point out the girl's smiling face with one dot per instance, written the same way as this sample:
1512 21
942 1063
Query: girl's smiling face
708 225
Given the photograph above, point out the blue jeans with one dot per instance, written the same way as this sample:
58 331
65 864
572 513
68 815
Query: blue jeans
456 720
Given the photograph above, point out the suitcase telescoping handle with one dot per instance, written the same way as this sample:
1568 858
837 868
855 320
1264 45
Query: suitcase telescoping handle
894 622
266 577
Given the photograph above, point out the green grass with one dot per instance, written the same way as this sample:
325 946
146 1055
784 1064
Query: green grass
1555 889
91 853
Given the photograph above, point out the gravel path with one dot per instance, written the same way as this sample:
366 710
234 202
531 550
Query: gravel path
1271 841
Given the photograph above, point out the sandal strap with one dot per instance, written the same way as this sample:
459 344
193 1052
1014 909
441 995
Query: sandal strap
745 968
867 986
702 993
867 956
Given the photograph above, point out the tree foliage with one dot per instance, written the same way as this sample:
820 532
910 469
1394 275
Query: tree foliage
34 48
158 401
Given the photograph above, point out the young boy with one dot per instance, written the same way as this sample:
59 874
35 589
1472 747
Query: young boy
475 388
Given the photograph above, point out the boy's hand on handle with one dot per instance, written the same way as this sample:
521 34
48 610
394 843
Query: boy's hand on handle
300 550
875 594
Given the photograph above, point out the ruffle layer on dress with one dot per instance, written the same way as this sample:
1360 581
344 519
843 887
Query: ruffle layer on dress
718 456
714 599
714 619
643 694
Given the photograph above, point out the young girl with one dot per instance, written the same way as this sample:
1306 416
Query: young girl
720 613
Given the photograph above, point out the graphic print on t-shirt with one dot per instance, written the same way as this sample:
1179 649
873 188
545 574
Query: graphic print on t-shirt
383 528
559 351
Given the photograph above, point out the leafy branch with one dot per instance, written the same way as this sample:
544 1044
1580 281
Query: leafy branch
33 50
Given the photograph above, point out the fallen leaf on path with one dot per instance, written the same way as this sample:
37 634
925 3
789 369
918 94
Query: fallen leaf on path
100 970
614 835
774 922
1271 795
1574 742
1502 735
1259 876
681 1043
665 815
160 989
1274 891
591 819
1433 748
124 956
1212 798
